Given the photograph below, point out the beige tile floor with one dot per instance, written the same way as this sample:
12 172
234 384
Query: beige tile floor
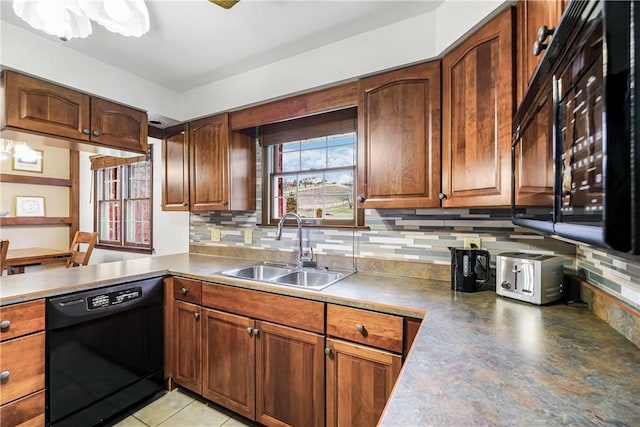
181 409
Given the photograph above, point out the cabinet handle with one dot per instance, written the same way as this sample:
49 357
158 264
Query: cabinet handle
250 331
196 315
327 351
184 204
255 332
538 47
362 330
544 32
96 133
225 202
184 291
5 324
442 196
86 131
362 199
4 375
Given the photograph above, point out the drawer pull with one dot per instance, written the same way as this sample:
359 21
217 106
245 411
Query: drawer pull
327 351
5 324
250 331
4 375
184 291
196 315
255 332
362 330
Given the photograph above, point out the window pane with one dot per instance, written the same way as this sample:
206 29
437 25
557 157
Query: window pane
140 180
110 184
313 143
310 184
138 222
342 139
109 224
313 159
342 155
288 161
310 207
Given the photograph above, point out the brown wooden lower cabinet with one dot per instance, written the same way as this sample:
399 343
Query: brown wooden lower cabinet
289 376
229 361
25 412
359 381
186 344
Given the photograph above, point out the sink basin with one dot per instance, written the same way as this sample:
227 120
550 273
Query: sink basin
261 272
309 279
286 275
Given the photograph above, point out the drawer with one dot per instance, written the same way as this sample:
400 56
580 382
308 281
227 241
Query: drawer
25 412
23 360
188 290
21 319
285 310
365 327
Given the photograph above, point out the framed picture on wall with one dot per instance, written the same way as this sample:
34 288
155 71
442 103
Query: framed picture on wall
29 164
29 206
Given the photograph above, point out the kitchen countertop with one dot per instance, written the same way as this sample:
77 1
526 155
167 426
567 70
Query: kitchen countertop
478 359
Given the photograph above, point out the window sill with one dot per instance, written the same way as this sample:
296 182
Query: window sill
147 251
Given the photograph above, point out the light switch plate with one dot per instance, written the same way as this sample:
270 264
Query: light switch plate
470 241
248 237
215 235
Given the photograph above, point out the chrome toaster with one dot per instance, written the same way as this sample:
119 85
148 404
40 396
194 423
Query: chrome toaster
529 277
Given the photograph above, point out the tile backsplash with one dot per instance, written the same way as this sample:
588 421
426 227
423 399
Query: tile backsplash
422 235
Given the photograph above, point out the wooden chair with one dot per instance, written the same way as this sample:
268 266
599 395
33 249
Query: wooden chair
4 247
79 257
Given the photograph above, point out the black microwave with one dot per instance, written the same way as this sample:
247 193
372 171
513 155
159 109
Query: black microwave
575 159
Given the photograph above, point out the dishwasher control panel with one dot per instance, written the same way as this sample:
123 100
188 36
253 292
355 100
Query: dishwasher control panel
113 298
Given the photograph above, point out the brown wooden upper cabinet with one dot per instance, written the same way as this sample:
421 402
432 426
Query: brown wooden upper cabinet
477 86
221 166
531 15
399 138
175 169
41 107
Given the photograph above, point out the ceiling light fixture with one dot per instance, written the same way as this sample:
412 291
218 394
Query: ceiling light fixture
67 19
17 149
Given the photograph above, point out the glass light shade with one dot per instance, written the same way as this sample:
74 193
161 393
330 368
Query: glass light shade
126 17
61 18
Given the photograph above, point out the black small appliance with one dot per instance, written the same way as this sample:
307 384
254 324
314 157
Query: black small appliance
469 269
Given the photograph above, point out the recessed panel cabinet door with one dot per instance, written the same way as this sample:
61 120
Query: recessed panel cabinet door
118 126
289 376
39 106
477 114
359 382
399 138
530 16
187 344
229 361
175 171
209 164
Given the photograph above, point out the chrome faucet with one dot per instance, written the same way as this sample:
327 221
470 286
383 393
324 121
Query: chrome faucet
304 260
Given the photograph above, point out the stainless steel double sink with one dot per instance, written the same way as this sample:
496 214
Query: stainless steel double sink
286 275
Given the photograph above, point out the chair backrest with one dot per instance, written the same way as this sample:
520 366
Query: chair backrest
79 257
4 247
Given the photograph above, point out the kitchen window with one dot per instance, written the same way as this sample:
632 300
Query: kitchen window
310 169
123 203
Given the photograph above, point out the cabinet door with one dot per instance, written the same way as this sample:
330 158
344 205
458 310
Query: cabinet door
399 146
118 126
186 342
530 16
289 376
477 113
359 382
39 106
175 171
229 361
209 164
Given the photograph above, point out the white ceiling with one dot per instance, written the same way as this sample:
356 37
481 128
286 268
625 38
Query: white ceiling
194 42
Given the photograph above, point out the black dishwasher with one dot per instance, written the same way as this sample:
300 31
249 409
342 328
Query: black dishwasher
104 352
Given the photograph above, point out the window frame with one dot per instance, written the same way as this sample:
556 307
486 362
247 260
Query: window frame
124 177
269 160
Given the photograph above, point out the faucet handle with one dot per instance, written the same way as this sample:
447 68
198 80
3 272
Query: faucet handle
307 259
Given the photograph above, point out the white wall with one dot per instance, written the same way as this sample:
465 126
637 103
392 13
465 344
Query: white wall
170 229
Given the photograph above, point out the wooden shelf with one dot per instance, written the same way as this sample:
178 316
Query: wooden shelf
12 220
34 180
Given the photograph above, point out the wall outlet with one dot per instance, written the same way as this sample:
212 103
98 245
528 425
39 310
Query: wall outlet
248 237
472 243
215 235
